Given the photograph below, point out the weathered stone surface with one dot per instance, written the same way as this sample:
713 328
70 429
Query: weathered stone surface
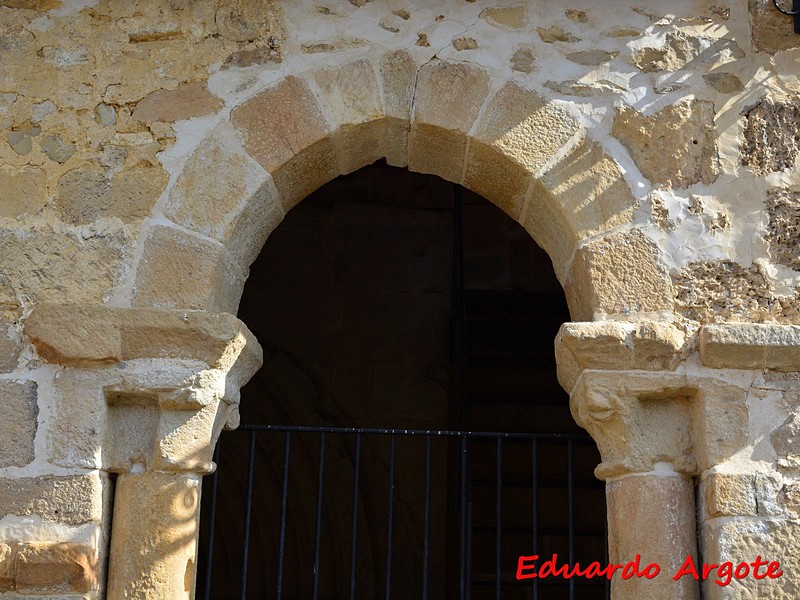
632 279
768 28
352 94
610 345
446 103
523 60
729 494
724 83
56 567
18 426
642 510
71 499
398 74
182 271
89 193
224 194
786 441
56 148
154 537
10 346
187 101
79 420
783 234
244 20
512 17
591 58
285 131
555 33
547 224
86 336
675 147
750 346
680 49
21 191
770 139
8 564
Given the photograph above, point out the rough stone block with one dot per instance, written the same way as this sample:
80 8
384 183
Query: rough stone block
285 131
720 422
619 274
770 143
18 426
494 176
545 221
72 499
21 191
182 271
75 434
398 75
750 346
56 567
10 346
729 494
768 28
676 147
187 101
224 194
447 100
8 566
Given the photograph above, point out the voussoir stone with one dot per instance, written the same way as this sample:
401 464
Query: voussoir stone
18 425
398 74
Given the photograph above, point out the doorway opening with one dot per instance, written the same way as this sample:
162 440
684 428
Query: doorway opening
407 436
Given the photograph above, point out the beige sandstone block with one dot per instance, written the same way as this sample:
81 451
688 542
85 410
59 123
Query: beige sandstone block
154 536
619 274
548 226
56 567
653 516
352 94
79 420
720 422
768 30
18 425
72 499
21 191
178 270
590 189
729 494
224 194
187 101
87 193
10 346
285 131
750 346
8 566
398 76
447 100
501 181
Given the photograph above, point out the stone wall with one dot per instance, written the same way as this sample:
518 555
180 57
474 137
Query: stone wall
148 149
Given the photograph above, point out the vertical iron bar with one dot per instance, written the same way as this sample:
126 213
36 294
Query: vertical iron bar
390 532
427 533
247 512
498 586
571 509
463 518
212 517
284 496
460 310
353 540
318 534
535 477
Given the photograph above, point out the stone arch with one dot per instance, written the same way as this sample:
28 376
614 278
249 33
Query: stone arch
461 121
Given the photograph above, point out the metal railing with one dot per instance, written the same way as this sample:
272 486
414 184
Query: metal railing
433 449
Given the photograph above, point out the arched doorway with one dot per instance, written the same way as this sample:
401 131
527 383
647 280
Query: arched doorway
393 300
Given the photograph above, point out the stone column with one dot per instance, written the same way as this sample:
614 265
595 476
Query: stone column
167 382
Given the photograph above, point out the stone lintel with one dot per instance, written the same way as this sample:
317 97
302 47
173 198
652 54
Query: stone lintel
617 346
91 336
750 346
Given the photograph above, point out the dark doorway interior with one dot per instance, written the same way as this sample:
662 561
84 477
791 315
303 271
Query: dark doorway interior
390 299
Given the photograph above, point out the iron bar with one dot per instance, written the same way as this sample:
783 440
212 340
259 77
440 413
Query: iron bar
212 518
354 538
463 519
390 532
499 524
247 513
318 534
284 496
427 533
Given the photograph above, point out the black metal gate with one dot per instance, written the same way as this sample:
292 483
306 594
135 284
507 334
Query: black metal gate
383 513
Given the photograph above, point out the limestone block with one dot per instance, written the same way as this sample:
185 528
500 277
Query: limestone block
742 540
610 345
75 438
492 175
783 234
768 28
187 101
547 224
618 274
285 131
224 194
18 425
398 76
750 346
154 536
447 100
637 420
769 143
676 147
21 191
88 193
244 20
681 49
352 94
720 422
10 345
71 499
786 441
653 516
56 567
8 566
729 494
94 335
182 271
